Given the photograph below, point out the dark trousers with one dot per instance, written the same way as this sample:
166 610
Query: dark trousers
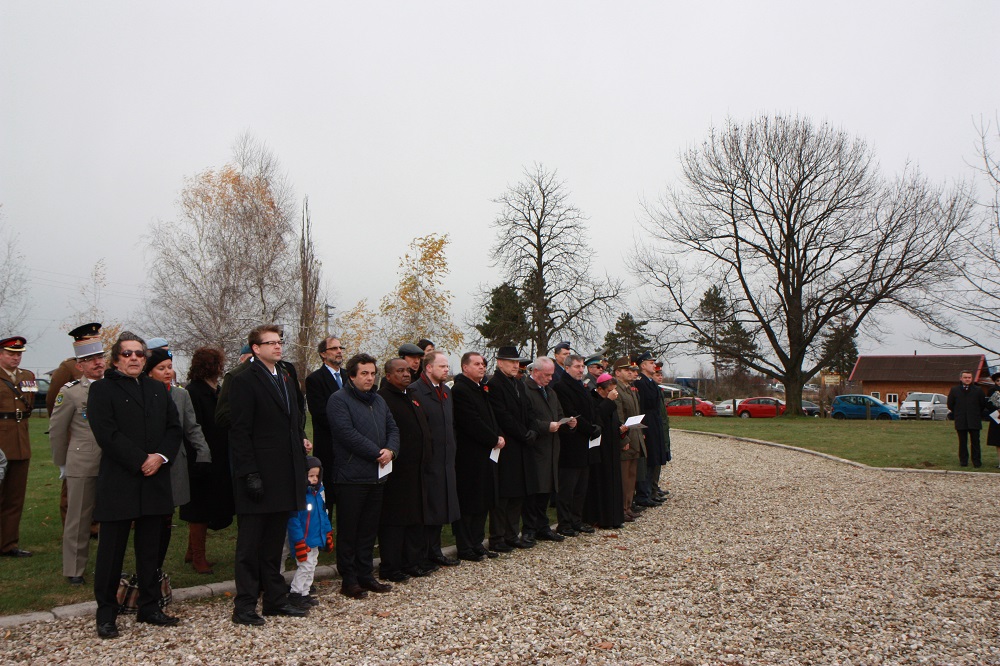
432 542
400 547
108 568
469 531
534 513
572 495
165 531
653 477
504 520
259 540
359 506
12 503
643 490
963 451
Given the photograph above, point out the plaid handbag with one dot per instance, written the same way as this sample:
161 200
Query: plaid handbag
128 592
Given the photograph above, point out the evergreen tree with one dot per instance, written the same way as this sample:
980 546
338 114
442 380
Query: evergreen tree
628 337
713 314
841 347
505 321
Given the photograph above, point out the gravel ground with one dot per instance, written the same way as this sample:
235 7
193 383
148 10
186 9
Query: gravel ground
761 556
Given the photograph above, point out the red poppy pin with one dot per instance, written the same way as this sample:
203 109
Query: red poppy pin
486 389
416 403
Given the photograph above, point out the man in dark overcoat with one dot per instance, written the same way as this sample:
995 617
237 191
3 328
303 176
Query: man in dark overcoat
575 454
509 401
269 476
967 403
402 544
650 402
135 423
440 494
320 385
476 435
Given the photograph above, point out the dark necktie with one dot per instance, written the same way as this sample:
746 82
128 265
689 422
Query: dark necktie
336 378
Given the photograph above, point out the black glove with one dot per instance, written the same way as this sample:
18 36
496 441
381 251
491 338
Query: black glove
595 430
255 487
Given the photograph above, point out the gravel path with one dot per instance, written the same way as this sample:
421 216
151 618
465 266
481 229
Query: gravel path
761 556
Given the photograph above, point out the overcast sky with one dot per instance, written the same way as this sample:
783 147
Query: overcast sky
402 119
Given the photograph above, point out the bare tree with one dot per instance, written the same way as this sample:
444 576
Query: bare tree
796 225
542 249
226 264
967 307
308 332
14 276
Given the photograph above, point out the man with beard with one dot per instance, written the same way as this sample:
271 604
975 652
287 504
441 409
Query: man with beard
576 455
402 544
509 401
476 435
320 385
440 494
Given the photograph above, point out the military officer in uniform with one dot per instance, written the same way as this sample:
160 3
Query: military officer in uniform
17 398
75 451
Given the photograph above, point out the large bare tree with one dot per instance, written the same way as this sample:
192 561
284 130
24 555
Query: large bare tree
796 225
542 248
228 262
310 327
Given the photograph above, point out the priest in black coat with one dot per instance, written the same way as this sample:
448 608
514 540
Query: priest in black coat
440 494
402 544
476 435
603 506
509 401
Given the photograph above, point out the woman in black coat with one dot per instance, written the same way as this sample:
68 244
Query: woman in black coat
211 505
603 506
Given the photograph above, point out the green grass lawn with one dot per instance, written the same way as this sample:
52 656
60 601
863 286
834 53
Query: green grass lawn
913 444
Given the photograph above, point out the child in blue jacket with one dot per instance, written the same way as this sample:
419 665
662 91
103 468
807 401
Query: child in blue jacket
308 531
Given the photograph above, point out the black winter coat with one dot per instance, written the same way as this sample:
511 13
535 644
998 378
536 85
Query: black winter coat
211 495
967 404
577 401
440 493
132 418
403 497
476 434
320 385
650 404
604 506
543 454
509 401
265 436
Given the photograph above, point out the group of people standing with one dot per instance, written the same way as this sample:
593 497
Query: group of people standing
394 461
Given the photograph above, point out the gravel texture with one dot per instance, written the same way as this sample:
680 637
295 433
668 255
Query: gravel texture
762 556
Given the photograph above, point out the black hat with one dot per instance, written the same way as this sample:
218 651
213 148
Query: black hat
562 345
155 357
645 356
13 344
410 349
87 341
313 461
510 353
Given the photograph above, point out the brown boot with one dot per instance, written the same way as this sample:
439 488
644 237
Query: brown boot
197 533
188 555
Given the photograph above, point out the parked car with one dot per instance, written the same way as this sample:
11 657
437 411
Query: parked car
810 408
760 408
43 392
862 407
728 407
682 407
933 406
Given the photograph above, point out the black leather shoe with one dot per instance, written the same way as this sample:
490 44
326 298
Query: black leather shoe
306 601
445 561
287 610
419 571
586 529
248 617
472 557
549 535
520 543
75 580
568 532
395 577
354 591
530 540
16 552
373 585
491 554
107 630
649 504
159 618
502 547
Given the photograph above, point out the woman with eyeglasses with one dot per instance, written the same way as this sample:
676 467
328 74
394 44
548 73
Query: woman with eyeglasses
160 367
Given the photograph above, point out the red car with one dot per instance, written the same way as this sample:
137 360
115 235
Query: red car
682 407
760 408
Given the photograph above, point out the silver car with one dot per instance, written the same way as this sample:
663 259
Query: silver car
933 406
728 407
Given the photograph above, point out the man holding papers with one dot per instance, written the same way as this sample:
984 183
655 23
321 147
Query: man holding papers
576 455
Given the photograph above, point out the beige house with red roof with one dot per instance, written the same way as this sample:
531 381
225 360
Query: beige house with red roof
892 378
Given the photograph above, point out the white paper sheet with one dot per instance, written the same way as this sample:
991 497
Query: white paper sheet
495 454
383 471
995 415
634 420
594 443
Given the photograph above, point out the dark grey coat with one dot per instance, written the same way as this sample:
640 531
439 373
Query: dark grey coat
440 491
517 425
543 454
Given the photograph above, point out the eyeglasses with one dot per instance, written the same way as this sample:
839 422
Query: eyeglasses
333 348
269 342
127 353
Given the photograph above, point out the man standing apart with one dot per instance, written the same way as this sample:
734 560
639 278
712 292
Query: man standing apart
440 495
77 455
17 398
476 434
136 425
269 476
320 385
967 403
